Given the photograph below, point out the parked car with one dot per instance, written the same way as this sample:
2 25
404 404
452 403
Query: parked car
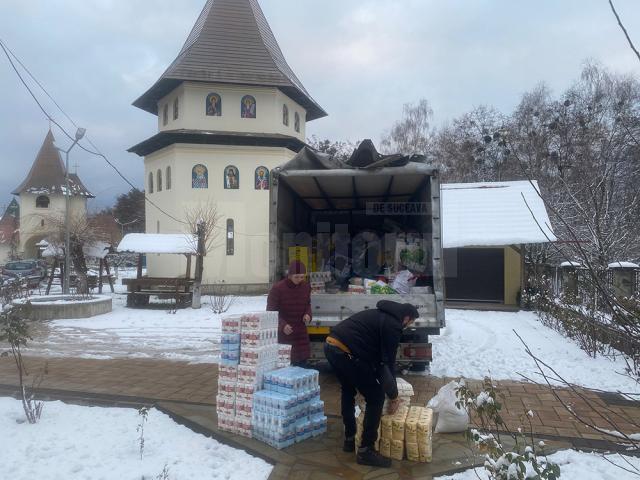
6 280
34 270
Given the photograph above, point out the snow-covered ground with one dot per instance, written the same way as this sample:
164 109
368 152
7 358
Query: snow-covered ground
575 465
188 334
102 443
474 343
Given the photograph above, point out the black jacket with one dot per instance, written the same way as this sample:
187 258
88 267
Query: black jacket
373 337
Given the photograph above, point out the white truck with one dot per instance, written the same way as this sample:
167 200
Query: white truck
358 220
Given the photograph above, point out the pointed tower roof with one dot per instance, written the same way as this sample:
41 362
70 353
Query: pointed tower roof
47 174
231 42
12 211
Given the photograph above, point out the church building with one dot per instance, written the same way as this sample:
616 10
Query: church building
229 110
42 199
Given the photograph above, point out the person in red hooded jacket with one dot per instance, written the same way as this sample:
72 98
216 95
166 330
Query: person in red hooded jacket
291 298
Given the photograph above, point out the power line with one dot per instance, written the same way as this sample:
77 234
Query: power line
9 53
97 153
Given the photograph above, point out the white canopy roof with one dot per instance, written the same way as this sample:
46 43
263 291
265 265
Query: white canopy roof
174 243
623 265
91 250
493 213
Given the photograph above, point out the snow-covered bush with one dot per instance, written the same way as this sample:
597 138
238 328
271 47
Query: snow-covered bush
524 460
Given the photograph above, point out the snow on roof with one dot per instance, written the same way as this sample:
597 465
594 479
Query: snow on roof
493 213
158 243
93 250
623 265
569 263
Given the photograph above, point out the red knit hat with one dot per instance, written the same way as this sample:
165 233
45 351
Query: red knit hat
297 267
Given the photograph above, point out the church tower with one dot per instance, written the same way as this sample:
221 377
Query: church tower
42 198
229 110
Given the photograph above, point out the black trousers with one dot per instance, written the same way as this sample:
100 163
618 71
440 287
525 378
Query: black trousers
356 376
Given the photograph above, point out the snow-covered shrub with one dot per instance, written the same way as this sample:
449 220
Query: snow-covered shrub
524 460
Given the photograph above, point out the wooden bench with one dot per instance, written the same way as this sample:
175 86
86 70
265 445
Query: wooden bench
139 290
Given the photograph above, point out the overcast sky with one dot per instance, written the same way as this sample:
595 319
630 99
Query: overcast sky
360 59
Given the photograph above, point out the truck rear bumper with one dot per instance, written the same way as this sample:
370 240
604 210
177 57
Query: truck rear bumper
407 352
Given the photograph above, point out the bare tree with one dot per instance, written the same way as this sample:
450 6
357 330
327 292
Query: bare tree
83 233
205 214
413 133
203 221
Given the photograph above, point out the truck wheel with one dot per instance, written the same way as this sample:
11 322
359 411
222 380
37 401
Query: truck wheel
418 367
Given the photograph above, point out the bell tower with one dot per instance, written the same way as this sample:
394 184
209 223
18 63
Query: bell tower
229 109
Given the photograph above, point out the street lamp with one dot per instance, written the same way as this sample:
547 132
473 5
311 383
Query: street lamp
67 236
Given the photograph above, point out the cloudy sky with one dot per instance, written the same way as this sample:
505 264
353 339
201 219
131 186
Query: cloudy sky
360 59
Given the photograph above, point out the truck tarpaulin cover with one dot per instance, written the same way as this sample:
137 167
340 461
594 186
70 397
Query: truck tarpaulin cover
365 156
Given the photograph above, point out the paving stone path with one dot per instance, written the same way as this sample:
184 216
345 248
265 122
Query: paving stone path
187 392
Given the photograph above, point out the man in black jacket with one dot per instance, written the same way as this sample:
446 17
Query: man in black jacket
362 352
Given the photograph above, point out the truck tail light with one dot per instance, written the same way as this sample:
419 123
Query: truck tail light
418 352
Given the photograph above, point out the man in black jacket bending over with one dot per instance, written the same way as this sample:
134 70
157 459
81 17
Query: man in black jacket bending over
362 351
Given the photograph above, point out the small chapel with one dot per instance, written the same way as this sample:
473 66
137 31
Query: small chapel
42 201
229 110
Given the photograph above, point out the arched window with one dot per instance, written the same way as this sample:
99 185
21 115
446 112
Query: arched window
165 114
214 105
230 235
150 182
296 122
199 176
176 111
285 115
42 201
168 179
248 107
231 178
159 180
262 178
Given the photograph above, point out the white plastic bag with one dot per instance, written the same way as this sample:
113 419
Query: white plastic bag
451 419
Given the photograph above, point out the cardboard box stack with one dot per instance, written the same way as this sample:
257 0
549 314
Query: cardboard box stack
289 408
249 350
318 281
407 431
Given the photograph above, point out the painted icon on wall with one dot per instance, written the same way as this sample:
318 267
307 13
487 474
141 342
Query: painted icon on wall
262 178
231 178
296 122
199 177
248 107
214 105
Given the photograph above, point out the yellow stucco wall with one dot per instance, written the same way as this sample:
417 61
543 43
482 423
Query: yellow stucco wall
31 219
512 275
248 207
192 114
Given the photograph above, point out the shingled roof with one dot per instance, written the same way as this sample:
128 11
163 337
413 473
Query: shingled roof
47 174
231 42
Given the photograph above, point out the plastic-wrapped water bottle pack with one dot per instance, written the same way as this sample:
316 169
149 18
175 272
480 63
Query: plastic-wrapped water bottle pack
230 349
289 409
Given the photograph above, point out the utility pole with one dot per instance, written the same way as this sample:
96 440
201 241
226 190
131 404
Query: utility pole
67 235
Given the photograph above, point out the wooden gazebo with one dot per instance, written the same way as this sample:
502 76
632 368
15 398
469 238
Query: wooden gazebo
141 288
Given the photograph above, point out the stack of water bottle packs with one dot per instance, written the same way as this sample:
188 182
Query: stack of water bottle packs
289 409
249 349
